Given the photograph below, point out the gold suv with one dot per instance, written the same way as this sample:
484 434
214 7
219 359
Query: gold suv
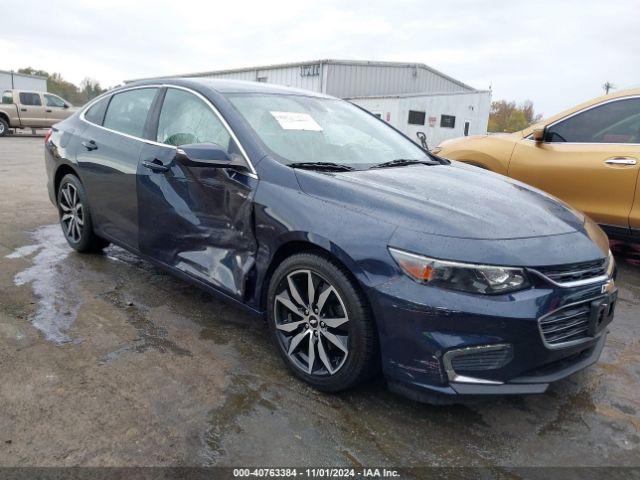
588 156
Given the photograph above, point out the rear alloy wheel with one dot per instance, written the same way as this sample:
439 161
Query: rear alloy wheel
75 216
320 323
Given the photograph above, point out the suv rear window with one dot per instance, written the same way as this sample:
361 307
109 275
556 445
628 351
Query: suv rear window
30 99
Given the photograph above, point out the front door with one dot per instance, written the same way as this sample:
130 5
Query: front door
31 110
108 160
197 219
56 109
590 160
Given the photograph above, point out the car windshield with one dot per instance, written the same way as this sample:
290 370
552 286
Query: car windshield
302 130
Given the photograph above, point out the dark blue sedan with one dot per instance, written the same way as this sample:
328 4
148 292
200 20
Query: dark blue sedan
362 250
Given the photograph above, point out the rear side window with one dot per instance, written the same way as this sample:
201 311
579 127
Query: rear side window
613 122
127 112
7 97
95 114
30 99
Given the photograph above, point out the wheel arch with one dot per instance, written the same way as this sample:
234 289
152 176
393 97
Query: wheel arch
61 171
5 117
308 244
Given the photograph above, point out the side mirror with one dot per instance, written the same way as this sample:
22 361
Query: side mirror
203 155
538 134
65 106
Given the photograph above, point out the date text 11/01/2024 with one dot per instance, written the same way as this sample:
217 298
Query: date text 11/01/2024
316 472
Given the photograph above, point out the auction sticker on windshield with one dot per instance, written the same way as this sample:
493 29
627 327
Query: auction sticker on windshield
296 121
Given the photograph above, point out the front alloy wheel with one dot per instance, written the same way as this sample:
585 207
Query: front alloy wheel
321 323
312 323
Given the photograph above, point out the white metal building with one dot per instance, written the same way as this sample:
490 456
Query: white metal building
410 96
21 81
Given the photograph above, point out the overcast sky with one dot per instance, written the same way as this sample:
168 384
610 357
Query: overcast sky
555 53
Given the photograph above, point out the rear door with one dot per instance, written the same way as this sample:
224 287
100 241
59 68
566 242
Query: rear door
31 110
108 161
55 108
590 160
197 219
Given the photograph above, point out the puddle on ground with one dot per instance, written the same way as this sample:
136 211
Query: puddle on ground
52 283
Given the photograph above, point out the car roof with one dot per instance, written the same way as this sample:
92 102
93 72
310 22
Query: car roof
224 86
630 92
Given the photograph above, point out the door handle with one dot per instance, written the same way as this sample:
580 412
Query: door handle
23 109
155 165
49 111
620 161
90 145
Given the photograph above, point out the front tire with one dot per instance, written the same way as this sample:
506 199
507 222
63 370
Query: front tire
75 217
321 323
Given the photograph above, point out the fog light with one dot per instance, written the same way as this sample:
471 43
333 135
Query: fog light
461 362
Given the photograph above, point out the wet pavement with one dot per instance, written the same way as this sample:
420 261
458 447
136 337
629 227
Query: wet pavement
106 360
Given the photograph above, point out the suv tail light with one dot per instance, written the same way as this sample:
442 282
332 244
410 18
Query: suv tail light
47 136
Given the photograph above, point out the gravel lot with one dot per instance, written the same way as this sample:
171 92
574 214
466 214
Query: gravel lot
106 360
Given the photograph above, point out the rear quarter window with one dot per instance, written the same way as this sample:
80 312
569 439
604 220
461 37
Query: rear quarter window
7 97
95 113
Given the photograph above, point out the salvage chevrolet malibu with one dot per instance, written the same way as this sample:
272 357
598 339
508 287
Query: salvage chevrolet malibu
362 250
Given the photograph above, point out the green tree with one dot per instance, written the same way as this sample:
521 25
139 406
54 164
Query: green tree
89 88
509 117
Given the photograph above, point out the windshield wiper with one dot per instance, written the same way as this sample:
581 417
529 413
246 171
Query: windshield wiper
322 166
399 162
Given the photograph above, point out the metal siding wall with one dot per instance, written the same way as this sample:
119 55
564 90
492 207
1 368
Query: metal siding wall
289 77
355 80
23 83
434 106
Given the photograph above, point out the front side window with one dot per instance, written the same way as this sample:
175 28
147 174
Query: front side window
53 101
186 119
127 112
313 129
30 99
7 97
613 122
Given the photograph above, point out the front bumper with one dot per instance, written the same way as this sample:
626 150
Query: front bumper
421 326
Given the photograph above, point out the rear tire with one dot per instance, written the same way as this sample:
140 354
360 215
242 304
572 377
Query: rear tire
75 217
4 127
330 341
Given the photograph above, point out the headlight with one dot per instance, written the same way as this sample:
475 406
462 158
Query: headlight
465 277
611 264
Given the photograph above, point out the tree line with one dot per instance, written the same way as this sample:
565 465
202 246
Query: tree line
511 117
88 89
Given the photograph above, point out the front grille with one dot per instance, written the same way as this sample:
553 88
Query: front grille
481 360
567 324
575 271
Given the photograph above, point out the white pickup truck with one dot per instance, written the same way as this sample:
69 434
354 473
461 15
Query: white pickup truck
24 109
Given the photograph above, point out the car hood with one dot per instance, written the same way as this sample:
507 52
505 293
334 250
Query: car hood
454 200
